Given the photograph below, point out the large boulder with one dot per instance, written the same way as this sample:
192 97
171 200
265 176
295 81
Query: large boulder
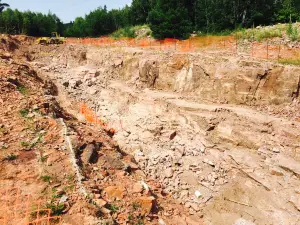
148 71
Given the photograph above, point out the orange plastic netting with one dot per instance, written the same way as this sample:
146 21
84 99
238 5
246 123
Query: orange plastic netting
23 210
227 43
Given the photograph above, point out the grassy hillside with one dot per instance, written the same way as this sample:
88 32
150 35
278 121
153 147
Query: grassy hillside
286 32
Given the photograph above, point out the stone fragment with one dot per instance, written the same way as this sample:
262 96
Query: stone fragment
100 202
63 199
195 207
276 171
137 188
89 154
118 62
173 135
115 192
276 150
169 172
146 204
198 194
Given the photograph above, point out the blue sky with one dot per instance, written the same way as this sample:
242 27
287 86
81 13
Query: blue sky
67 10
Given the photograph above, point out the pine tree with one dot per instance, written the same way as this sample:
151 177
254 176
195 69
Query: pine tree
170 19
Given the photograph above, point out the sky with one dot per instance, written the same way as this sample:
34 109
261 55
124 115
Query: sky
66 10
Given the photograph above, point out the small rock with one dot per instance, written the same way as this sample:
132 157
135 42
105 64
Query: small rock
100 202
97 196
184 193
202 149
209 162
198 194
187 205
78 83
145 186
66 84
115 192
89 154
63 199
276 171
276 150
146 204
137 188
169 172
118 62
161 222
195 207
97 74
173 135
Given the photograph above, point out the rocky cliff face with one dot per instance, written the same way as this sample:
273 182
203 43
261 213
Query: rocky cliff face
229 80
210 77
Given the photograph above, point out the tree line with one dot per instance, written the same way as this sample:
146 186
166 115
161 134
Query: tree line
166 18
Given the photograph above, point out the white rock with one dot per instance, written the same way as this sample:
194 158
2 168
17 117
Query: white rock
198 194
161 222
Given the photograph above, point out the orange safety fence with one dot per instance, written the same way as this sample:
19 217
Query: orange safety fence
16 208
227 43
91 117
167 44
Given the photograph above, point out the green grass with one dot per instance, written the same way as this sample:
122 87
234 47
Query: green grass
25 144
24 112
260 34
46 178
11 157
113 208
56 209
221 33
44 158
136 206
295 62
23 90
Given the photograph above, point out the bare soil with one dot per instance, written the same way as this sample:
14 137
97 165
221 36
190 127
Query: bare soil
199 138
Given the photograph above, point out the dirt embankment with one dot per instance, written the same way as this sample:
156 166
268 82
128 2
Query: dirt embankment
228 163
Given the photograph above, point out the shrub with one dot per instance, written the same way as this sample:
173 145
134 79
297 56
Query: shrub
292 32
124 32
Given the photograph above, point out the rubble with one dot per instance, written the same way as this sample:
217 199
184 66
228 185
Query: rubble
202 130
